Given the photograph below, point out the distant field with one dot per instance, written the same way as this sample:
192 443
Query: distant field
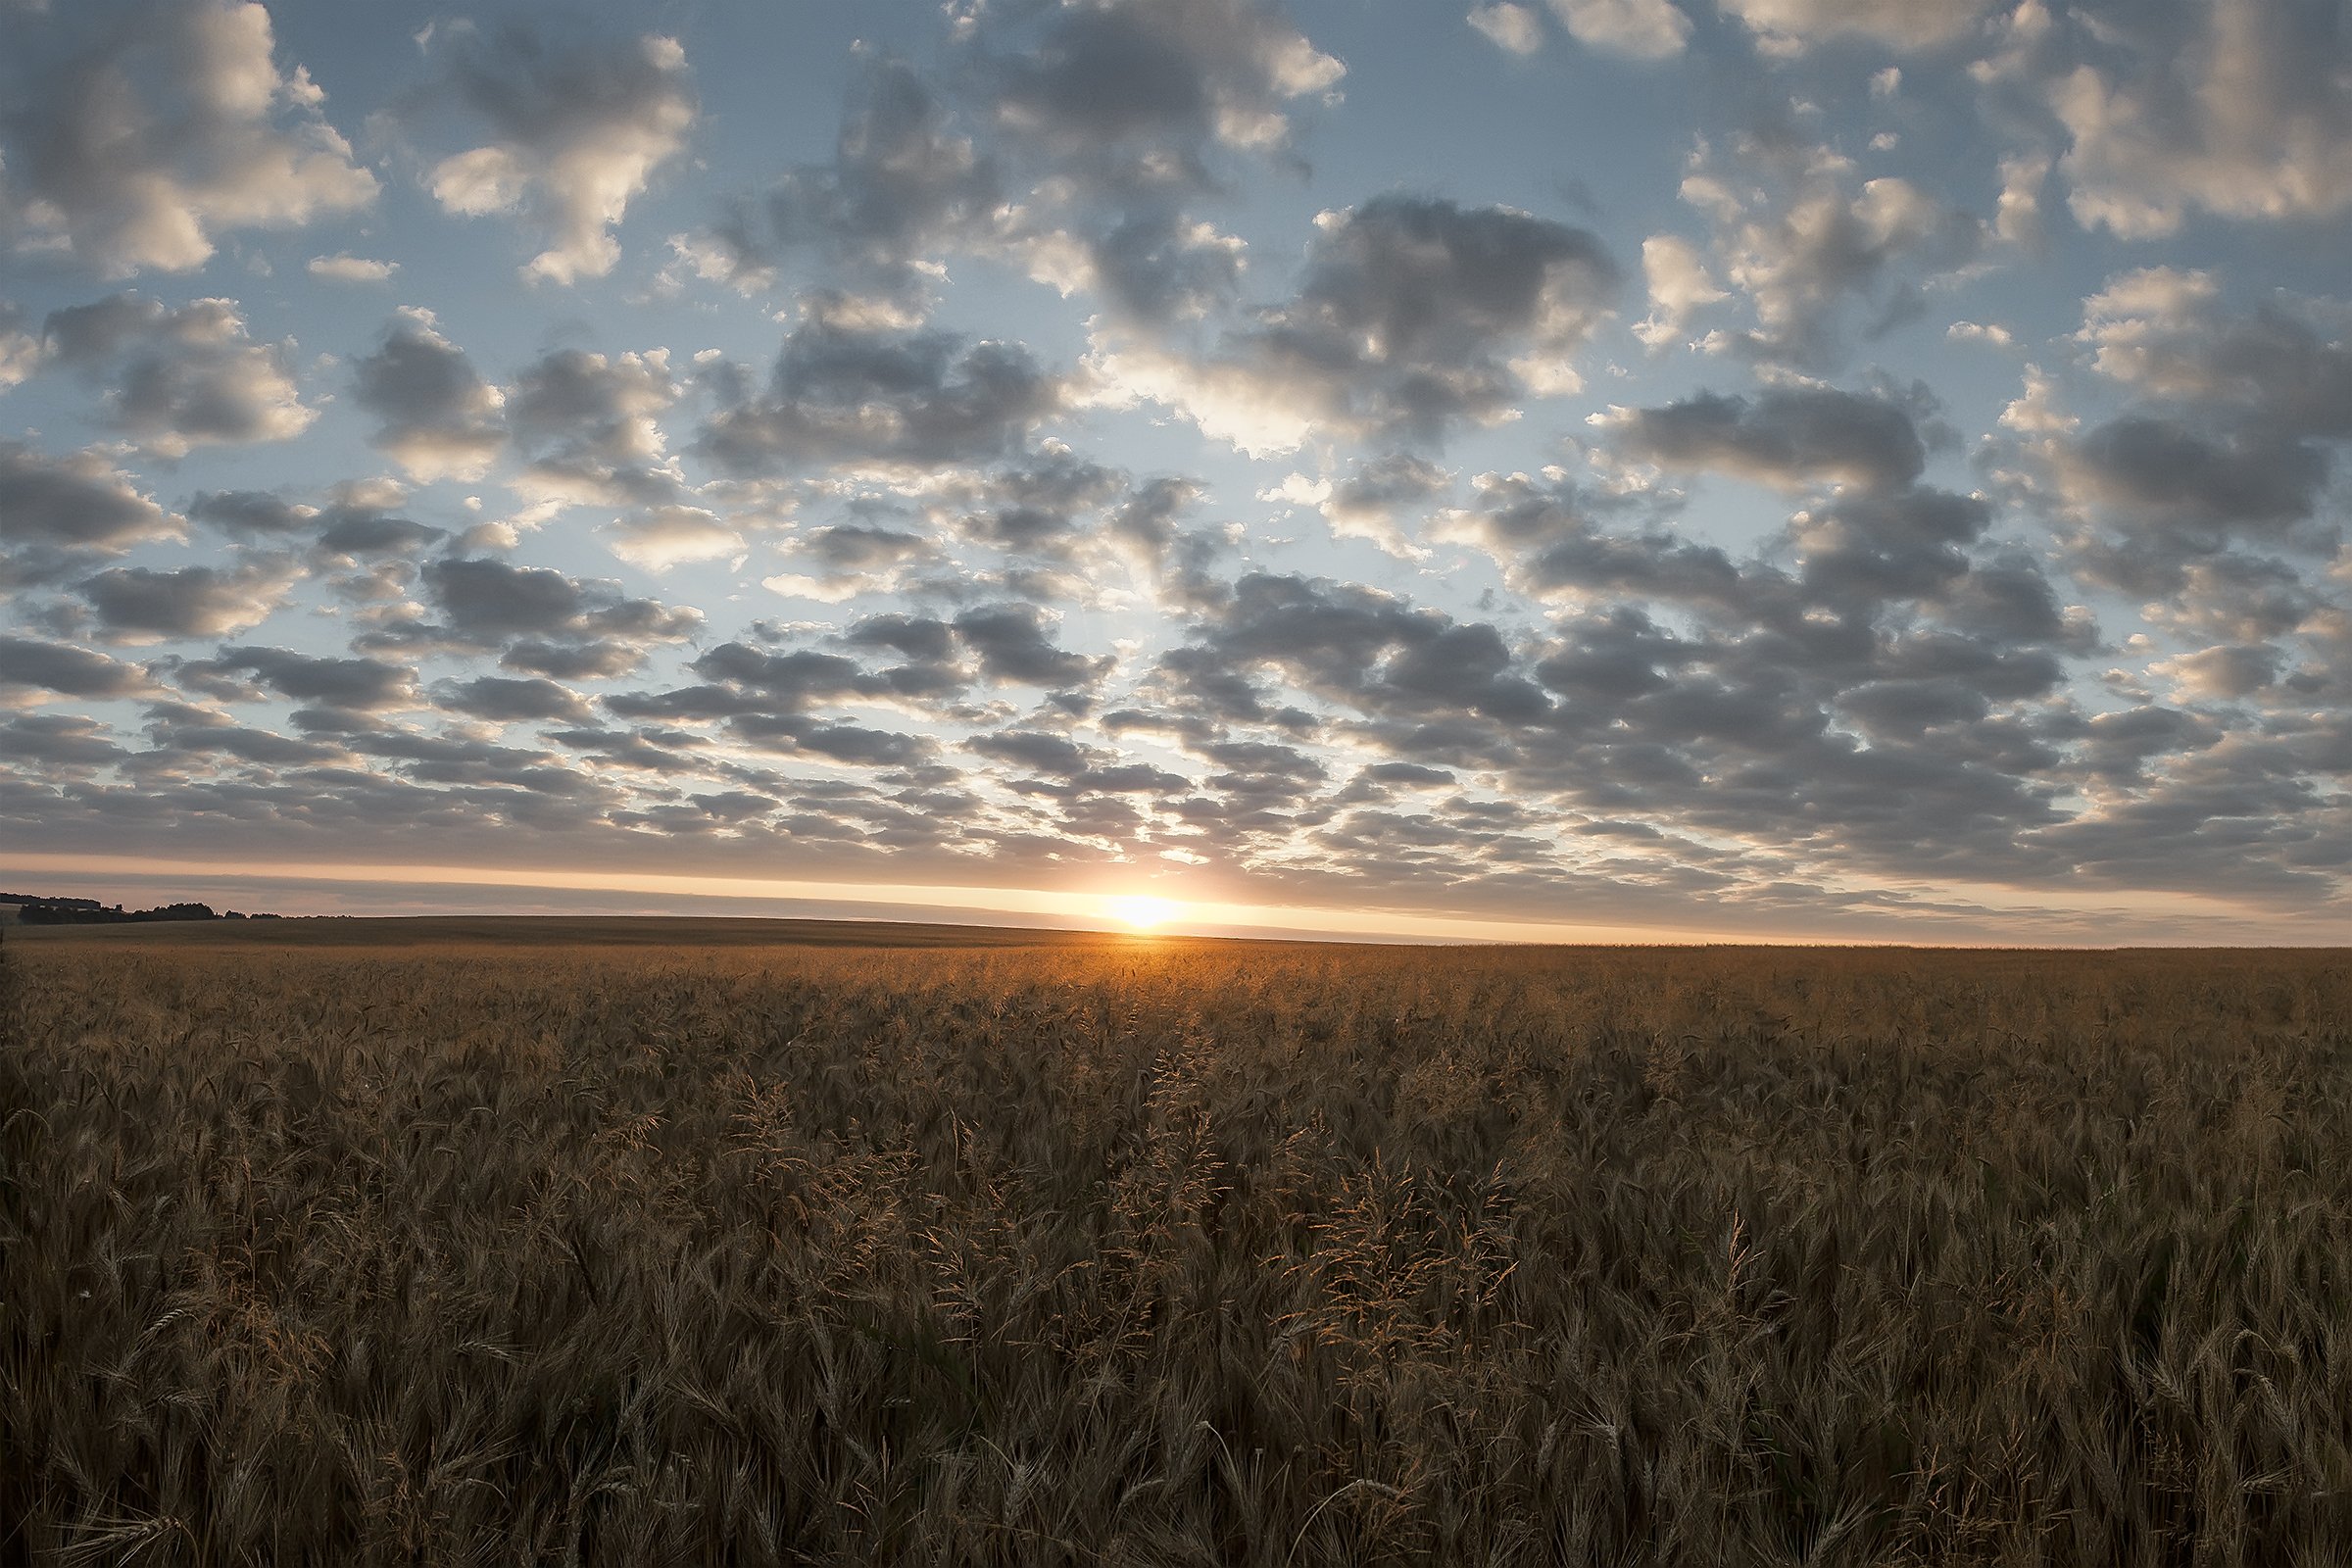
689 1242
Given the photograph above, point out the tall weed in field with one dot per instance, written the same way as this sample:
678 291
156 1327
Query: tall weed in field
1173 1253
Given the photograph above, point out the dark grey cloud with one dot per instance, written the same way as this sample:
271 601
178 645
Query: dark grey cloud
506 700
131 140
1156 266
181 733
354 685
1014 643
2158 109
173 379
487 603
2160 465
775 698
1379 496
1046 507
437 418
1415 316
2170 336
844 396
349 525
255 515
598 659
575 128
1784 436
141 603
1147 92
1342 641
75 505
588 422
2228 448
67 670
1055 754
363 532
903 187
1067 142
62 742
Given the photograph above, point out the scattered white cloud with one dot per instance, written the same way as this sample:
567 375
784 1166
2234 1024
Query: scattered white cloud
1512 28
346 269
1645 30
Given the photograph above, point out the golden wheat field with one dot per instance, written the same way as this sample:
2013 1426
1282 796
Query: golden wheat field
359 1243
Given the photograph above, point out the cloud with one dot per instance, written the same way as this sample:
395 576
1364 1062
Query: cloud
1510 27
1014 645
766 699
1647 30
849 396
2160 467
1066 141
1046 507
59 742
901 187
2236 107
2228 443
176 379
1790 27
662 537
2167 334
1679 288
1153 266
348 268
1807 251
67 670
506 701
488 600
1788 437
437 418
1136 95
576 128
19 351
773 700
849 558
1980 332
590 424
2220 672
133 144
1415 316
544 621
143 605
1373 501
58 513
1346 643
351 685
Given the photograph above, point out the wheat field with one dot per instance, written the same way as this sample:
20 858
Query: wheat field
627 1244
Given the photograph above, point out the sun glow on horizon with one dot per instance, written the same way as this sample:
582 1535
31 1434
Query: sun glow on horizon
1141 912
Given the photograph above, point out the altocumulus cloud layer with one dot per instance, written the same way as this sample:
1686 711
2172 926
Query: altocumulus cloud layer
1832 466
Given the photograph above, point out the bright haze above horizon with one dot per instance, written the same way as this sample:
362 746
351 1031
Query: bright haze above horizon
1844 469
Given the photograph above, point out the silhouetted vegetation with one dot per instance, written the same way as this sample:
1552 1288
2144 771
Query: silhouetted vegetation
90 911
1171 1252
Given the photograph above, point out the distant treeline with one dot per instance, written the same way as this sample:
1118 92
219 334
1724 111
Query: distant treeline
36 910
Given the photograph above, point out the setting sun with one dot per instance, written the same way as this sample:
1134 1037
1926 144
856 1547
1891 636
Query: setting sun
1141 912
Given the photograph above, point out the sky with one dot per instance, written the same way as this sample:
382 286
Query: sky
1623 470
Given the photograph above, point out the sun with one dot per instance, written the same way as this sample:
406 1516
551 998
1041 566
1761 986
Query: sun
1140 911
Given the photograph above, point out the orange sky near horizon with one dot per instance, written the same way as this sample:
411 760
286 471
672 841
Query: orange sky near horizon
389 888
